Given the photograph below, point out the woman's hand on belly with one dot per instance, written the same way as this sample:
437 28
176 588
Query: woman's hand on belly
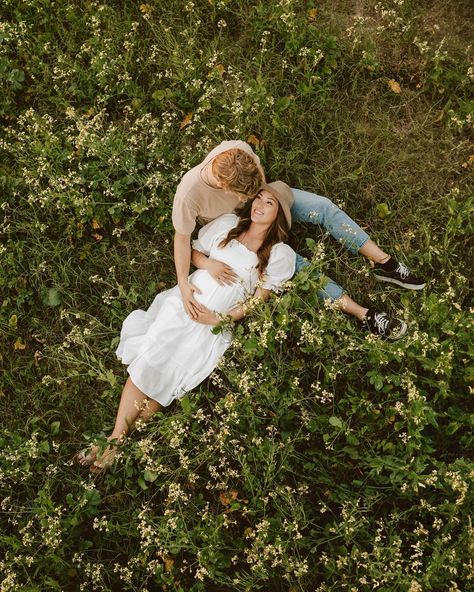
208 317
214 296
222 273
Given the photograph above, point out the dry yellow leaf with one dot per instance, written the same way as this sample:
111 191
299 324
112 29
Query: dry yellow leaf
226 499
145 8
254 141
19 344
168 563
312 13
186 121
220 69
223 499
97 236
394 86
95 224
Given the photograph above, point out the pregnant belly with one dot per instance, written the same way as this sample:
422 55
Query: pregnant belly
214 296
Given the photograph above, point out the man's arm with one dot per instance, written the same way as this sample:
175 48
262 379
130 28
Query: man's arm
182 261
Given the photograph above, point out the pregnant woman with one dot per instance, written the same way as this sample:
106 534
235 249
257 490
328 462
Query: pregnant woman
167 352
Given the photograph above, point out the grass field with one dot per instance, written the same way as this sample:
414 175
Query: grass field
316 458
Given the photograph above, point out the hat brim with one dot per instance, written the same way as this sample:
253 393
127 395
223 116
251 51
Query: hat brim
281 200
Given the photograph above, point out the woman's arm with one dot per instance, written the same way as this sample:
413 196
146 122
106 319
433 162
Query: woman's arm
239 312
221 272
236 314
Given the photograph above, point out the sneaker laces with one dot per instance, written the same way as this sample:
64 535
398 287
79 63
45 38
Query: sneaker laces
381 322
403 271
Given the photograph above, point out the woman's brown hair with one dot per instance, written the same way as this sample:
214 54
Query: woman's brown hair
276 233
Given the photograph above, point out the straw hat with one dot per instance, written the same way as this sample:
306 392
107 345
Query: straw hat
283 194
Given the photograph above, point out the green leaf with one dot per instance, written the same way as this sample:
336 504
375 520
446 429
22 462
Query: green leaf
351 439
44 446
142 483
452 428
336 422
93 497
54 427
251 345
150 476
160 94
50 297
283 104
383 211
185 405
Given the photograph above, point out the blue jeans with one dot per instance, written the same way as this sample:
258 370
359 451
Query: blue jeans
315 209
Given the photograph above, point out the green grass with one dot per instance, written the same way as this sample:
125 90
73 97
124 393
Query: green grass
315 458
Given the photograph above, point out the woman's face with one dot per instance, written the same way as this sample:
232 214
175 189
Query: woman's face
264 208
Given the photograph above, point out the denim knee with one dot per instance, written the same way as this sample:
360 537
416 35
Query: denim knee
329 288
317 209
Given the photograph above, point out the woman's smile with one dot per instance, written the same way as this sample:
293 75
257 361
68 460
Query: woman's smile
264 208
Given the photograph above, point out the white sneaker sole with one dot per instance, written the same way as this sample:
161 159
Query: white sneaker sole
382 278
401 333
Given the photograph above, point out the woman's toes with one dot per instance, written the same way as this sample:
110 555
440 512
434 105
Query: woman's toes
86 456
104 461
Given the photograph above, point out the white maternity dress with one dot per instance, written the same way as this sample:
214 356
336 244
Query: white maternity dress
168 353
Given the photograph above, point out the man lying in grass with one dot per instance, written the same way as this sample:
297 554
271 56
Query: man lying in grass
168 353
229 175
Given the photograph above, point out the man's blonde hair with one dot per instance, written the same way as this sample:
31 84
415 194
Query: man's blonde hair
237 171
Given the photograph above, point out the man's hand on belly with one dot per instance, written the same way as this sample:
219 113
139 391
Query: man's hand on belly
191 306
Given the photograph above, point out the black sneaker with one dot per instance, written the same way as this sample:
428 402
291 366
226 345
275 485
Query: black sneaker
379 323
396 273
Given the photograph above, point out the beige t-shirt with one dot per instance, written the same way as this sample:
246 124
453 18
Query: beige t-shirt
196 199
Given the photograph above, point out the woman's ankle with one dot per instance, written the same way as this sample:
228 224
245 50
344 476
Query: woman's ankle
116 439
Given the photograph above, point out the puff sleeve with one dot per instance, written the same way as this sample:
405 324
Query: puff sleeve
280 268
214 232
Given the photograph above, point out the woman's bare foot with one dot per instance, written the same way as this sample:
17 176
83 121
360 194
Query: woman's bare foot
104 461
86 456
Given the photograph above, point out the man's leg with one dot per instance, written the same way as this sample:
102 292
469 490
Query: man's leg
377 322
330 290
316 209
